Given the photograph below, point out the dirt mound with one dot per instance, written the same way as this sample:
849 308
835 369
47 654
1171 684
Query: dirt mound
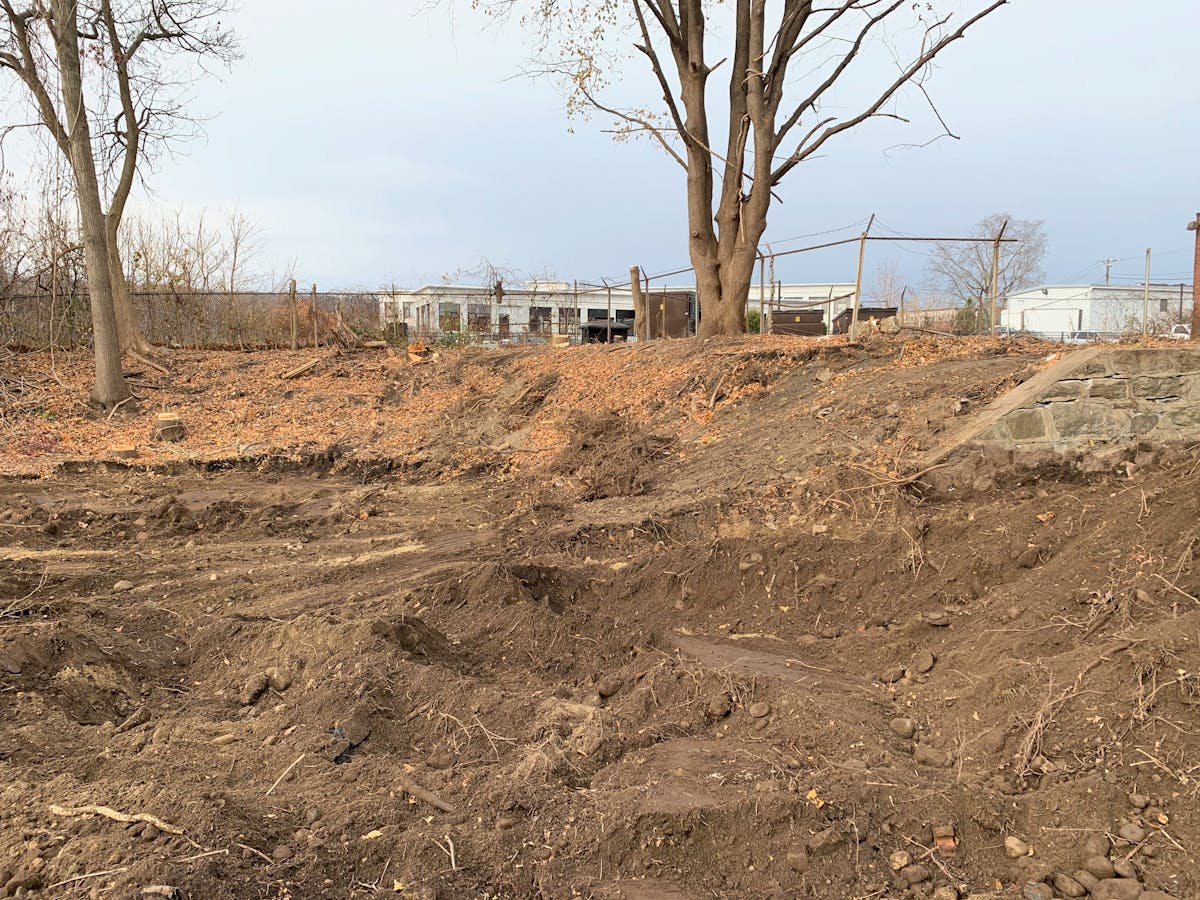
550 652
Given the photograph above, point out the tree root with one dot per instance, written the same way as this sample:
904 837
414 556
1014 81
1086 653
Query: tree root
109 813
412 788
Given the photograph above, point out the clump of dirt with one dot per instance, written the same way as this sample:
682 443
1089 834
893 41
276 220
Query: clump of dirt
755 660
608 456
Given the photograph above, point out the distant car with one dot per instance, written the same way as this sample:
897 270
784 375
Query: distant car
1007 331
1180 332
1082 337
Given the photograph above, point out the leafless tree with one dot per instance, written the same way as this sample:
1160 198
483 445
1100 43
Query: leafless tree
133 59
791 70
888 288
28 37
141 42
964 270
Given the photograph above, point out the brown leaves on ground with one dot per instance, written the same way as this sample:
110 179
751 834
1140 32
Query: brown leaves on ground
376 404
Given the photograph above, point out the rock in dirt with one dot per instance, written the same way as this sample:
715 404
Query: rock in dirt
279 679
1068 886
609 685
1132 832
1015 848
1118 889
905 728
824 841
899 860
1028 558
123 585
924 661
1037 890
760 710
930 756
253 689
1088 880
797 860
945 892
719 706
439 759
1032 869
1155 895
1139 801
223 740
1097 845
915 874
1100 867
281 853
1124 868
891 676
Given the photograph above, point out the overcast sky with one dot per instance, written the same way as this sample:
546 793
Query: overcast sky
373 144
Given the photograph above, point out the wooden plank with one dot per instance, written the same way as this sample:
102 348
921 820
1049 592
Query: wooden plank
300 370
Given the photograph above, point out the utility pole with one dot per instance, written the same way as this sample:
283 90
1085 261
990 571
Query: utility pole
996 276
862 250
1194 225
1146 296
1107 263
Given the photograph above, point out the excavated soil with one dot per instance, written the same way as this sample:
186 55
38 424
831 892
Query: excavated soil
711 640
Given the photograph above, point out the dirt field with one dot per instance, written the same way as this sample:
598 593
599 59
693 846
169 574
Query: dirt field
639 622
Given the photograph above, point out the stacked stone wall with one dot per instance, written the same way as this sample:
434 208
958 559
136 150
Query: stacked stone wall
1117 398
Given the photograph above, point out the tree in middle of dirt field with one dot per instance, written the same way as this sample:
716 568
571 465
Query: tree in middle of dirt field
797 75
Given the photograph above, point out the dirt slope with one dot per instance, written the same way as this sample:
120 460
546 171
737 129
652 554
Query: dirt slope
653 622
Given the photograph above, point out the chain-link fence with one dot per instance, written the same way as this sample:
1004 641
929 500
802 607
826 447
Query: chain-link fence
244 319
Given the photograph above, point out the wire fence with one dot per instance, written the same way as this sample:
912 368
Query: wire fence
194 319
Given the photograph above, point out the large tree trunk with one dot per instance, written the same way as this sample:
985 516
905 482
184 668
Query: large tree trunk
129 329
725 268
110 386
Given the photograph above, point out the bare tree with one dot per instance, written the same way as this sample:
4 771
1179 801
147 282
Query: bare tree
132 57
139 40
964 269
888 288
22 44
788 70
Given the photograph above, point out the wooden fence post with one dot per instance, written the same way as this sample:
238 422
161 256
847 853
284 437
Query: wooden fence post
640 305
862 250
295 312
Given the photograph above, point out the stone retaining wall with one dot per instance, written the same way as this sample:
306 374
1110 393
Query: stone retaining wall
1114 398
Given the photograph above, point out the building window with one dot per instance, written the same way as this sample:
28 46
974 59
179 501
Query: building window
479 317
449 317
1164 306
568 319
540 320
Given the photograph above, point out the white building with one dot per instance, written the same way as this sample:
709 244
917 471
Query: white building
832 297
1056 311
556 307
540 309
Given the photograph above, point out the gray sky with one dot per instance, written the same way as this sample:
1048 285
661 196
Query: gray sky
379 144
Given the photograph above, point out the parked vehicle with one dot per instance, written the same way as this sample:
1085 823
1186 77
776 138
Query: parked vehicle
1180 332
1082 337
